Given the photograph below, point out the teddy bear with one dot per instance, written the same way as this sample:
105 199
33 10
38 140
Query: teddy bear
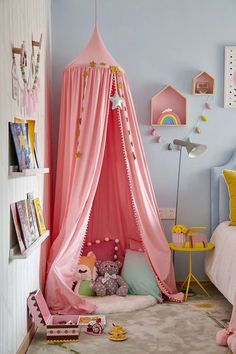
108 281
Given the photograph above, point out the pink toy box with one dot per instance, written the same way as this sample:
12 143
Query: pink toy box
60 328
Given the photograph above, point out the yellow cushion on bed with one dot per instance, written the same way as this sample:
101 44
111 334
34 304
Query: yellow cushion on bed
230 178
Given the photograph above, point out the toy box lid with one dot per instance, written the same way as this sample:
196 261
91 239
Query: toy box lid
38 308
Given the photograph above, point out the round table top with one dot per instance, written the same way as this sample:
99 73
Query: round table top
209 247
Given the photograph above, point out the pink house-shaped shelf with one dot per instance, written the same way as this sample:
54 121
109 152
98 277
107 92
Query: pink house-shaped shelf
203 84
168 108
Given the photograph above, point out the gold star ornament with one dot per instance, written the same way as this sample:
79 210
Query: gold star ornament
92 64
78 155
117 101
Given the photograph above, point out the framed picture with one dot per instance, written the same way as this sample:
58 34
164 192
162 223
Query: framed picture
230 77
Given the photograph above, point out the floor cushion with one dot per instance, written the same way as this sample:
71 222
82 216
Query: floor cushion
138 274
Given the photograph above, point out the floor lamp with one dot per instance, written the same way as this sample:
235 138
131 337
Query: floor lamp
193 150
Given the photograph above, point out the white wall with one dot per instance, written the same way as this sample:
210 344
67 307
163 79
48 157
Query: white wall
19 19
161 42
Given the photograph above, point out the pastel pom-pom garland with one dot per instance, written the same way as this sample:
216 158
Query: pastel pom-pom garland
107 239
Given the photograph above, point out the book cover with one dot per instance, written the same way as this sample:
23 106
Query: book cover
16 222
39 215
31 135
19 133
24 222
32 216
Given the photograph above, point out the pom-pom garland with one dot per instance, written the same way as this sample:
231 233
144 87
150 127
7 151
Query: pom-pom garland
107 239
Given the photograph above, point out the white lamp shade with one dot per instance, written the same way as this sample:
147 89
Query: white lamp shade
193 149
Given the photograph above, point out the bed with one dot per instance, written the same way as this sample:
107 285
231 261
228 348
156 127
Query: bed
220 264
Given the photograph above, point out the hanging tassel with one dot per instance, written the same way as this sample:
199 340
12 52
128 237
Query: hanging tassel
15 82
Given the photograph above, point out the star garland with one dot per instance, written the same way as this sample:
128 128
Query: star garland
78 153
117 99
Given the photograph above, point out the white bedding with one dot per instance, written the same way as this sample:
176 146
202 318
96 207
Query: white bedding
220 265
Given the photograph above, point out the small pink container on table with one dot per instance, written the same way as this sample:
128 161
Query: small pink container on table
178 239
58 331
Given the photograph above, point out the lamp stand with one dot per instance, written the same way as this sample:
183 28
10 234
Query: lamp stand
178 180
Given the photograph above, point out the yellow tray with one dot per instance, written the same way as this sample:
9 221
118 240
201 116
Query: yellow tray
118 339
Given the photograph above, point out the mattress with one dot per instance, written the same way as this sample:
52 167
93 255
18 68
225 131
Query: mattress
220 264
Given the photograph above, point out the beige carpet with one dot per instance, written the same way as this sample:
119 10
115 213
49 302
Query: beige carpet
187 328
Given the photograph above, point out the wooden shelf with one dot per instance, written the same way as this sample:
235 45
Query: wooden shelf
203 84
169 108
28 172
15 251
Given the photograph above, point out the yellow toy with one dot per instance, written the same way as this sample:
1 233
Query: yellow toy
118 333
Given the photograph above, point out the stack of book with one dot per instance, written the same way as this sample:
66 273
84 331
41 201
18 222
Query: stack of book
23 136
28 221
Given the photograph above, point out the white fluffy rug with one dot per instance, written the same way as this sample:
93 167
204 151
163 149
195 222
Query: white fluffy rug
115 304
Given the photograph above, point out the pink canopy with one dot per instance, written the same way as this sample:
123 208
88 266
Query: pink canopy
103 187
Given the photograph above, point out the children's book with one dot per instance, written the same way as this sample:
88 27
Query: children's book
31 134
19 133
24 222
32 216
39 215
16 222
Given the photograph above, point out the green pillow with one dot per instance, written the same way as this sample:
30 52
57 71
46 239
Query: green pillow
138 274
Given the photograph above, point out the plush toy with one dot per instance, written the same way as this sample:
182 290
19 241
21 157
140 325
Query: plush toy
85 275
108 281
227 337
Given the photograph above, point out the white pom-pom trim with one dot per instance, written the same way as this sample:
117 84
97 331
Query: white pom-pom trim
107 239
89 244
117 241
115 256
97 241
116 248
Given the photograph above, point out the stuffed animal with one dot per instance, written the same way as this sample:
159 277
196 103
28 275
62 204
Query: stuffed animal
108 281
227 336
85 275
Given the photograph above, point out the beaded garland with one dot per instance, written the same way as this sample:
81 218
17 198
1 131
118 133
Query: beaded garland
27 96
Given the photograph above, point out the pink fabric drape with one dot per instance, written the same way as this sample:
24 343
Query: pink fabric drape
105 192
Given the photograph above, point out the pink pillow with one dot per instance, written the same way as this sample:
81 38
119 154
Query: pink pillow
135 245
104 250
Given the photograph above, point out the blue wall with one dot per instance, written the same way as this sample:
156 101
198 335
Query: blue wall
161 42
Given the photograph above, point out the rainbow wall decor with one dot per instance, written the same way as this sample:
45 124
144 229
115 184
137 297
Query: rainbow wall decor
168 117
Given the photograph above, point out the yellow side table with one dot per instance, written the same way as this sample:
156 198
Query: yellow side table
190 275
